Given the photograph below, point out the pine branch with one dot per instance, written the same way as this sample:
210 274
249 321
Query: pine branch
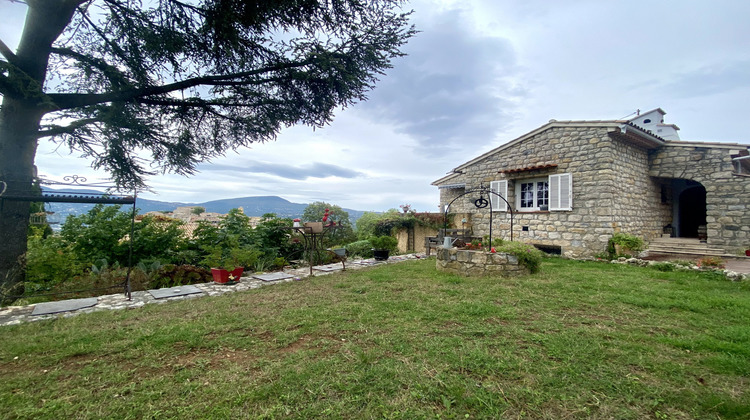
56 130
6 52
77 100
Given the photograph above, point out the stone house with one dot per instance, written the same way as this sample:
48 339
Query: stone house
570 185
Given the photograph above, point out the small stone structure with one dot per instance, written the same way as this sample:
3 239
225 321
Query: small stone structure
479 263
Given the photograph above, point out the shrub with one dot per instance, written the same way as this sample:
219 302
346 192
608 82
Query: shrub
220 257
279 263
360 248
711 262
384 242
682 263
50 261
664 266
496 242
625 241
527 255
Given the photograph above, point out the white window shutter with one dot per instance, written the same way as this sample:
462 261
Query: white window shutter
499 187
560 192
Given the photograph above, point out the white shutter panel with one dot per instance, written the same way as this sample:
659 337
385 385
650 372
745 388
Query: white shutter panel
500 187
560 192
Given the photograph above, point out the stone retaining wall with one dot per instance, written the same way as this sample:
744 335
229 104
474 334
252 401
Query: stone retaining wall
478 263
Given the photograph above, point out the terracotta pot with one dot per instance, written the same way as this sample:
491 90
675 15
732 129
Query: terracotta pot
222 276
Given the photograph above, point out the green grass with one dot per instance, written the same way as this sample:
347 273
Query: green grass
576 340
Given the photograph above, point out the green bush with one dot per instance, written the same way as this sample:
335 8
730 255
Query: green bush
279 263
527 255
50 261
384 242
360 248
664 266
220 257
626 241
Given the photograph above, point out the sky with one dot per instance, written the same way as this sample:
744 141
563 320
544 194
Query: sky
479 74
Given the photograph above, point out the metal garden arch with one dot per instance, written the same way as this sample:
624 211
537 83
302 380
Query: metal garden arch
481 203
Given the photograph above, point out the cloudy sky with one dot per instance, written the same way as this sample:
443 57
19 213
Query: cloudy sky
481 73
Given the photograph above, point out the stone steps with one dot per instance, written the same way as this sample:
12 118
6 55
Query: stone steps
684 247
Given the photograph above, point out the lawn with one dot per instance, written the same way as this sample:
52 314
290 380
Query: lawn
576 340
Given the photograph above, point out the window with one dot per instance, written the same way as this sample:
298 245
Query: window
553 193
560 192
532 194
499 187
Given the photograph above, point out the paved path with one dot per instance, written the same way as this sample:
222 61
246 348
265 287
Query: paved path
13 315
739 265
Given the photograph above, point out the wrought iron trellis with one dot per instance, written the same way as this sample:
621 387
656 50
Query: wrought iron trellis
27 194
481 203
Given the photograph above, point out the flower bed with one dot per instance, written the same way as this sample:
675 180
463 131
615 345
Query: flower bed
479 263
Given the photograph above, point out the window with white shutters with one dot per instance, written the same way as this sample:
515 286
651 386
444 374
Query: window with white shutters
499 187
560 192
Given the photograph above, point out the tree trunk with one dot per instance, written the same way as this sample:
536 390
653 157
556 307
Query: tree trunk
20 116
18 126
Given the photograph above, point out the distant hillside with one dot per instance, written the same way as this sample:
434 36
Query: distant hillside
252 206
257 206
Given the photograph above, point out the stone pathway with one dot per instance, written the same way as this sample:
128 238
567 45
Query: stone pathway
12 315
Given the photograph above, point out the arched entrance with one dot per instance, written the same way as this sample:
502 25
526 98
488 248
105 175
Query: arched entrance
691 209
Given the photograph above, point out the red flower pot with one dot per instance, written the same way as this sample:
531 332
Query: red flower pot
222 276
747 252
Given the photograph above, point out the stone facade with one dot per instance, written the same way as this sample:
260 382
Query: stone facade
727 192
623 179
478 263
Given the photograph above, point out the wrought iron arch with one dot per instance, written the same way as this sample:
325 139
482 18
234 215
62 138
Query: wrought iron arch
481 203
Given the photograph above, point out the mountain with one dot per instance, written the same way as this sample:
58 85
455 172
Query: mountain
257 206
252 206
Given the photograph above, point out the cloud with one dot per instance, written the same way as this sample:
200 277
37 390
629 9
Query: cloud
709 80
451 89
300 173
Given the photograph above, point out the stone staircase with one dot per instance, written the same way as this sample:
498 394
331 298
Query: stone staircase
684 247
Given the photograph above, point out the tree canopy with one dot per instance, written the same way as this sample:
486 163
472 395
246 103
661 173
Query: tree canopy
314 212
185 81
146 87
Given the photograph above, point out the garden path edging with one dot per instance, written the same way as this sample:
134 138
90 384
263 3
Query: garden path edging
14 315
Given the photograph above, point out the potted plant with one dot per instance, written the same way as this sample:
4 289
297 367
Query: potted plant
624 244
227 265
382 246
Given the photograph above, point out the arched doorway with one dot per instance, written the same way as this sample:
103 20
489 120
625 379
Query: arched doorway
692 210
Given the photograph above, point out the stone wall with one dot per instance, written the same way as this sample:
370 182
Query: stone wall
478 263
727 194
637 206
617 186
419 234
587 153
